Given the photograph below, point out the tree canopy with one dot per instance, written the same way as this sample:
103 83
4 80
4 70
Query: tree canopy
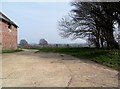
94 21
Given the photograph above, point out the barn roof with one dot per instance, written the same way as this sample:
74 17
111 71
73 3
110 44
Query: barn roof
6 19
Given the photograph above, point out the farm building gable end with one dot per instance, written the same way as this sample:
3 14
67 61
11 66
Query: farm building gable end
8 33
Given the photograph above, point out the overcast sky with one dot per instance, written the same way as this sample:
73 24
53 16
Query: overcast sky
38 20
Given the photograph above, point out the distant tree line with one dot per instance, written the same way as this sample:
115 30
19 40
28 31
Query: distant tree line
94 21
43 43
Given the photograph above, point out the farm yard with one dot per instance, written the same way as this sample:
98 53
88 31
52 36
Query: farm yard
84 53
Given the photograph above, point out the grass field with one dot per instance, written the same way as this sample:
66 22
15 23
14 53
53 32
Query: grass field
10 51
110 58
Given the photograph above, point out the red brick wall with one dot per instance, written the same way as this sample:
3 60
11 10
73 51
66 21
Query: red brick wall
0 35
8 36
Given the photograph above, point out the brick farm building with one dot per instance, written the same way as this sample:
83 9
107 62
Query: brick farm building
8 33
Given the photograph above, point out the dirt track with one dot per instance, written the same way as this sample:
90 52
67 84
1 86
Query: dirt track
30 69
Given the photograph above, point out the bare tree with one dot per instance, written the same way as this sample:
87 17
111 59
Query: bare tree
24 43
43 42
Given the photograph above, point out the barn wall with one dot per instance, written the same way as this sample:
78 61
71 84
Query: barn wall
9 36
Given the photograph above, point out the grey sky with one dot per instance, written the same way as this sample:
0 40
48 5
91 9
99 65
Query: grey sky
38 20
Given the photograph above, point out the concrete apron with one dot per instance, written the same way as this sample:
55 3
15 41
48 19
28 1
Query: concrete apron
30 69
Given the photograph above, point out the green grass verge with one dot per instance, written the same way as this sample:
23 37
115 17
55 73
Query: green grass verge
11 51
110 58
